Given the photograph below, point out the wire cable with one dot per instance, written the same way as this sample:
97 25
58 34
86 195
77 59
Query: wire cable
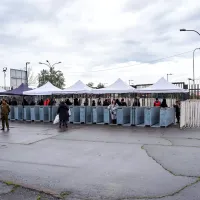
148 62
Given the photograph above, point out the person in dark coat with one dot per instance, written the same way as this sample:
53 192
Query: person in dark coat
106 103
164 104
63 112
14 102
86 102
123 103
118 102
41 102
93 103
76 102
68 102
136 102
25 103
178 111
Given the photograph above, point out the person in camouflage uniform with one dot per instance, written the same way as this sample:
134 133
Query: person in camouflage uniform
5 110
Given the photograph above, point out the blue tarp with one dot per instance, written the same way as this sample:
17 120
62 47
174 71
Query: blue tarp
18 91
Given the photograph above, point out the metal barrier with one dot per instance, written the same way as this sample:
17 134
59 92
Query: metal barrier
54 111
107 117
167 116
139 116
32 108
190 114
27 113
37 114
83 114
18 113
98 115
41 113
88 114
46 114
132 116
71 118
76 115
152 116
12 113
123 116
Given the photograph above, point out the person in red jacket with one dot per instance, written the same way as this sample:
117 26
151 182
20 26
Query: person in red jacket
157 103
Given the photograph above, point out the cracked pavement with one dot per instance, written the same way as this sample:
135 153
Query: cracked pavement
100 162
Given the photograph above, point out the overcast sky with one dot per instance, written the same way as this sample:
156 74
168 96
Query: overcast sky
101 40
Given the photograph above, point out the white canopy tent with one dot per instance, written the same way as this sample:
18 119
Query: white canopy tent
162 86
119 86
46 89
2 90
78 88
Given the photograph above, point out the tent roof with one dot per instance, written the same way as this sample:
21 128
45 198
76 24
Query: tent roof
2 90
18 91
119 86
77 88
162 86
46 89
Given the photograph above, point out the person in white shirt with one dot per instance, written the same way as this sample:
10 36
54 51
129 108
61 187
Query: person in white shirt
113 111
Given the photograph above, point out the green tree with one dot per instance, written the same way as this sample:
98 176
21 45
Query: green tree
56 77
90 84
100 85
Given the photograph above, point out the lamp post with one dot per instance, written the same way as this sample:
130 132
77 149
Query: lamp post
189 85
193 67
49 65
168 76
27 63
4 71
183 29
130 81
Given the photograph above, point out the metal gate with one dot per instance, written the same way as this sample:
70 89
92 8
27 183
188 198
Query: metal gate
190 114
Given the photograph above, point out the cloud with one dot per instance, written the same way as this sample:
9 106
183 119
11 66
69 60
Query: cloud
93 38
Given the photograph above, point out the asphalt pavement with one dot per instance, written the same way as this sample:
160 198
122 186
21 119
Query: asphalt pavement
37 161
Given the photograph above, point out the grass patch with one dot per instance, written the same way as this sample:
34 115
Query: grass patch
64 194
9 183
38 197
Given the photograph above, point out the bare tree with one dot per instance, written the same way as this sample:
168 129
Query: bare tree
32 79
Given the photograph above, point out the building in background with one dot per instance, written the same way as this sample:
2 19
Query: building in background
17 77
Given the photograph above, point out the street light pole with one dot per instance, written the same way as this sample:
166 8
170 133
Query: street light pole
183 29
4 71
168 76
27 63
49 65
130 81
193 67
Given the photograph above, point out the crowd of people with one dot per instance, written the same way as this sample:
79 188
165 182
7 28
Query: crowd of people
116 103
63 109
